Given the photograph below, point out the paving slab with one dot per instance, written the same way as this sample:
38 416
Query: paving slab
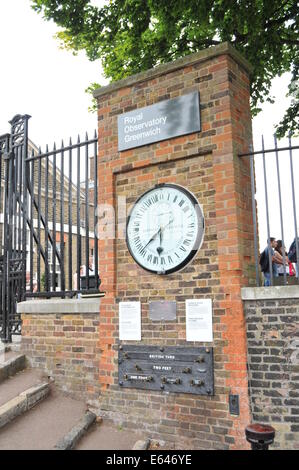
20 382
108 437
43 426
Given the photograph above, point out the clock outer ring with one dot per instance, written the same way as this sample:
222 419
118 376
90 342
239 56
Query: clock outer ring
199 237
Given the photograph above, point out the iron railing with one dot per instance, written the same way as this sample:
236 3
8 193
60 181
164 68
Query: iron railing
285 210
48 221
63 228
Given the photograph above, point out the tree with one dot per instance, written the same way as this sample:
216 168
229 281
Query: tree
130 36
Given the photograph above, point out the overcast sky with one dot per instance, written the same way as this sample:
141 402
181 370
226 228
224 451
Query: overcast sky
39 79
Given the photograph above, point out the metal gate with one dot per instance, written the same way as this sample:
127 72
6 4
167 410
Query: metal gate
48 222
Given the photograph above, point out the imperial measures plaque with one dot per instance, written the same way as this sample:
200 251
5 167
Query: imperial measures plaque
172 369
160 121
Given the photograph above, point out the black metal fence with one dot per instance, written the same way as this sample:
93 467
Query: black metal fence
48 221
63 248
278 217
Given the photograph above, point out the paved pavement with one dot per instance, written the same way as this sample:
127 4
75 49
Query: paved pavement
51 419
42 427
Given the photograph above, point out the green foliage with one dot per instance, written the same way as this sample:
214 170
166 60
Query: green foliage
92 87
289 123
130 36
43 282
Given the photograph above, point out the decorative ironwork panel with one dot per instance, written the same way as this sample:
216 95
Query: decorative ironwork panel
13 260
4 149
171 369
13 149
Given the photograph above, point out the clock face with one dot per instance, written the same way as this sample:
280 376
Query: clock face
165 229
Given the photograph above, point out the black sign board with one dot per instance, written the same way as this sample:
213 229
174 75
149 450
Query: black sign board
170 368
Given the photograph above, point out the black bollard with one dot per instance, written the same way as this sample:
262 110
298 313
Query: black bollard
260 436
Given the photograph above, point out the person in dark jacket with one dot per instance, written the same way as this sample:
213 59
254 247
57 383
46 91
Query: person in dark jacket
293 254
276 260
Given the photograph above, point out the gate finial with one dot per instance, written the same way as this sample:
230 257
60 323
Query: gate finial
19 117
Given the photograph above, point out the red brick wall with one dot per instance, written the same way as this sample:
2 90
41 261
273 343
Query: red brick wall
64 346
207 164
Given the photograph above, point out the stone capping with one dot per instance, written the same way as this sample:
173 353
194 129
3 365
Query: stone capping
224 48
274 292
60 306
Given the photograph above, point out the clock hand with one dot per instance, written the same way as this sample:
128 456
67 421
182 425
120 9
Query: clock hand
157 233
160 248
153 237
170 222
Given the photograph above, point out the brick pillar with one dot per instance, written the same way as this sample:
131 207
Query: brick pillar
206 163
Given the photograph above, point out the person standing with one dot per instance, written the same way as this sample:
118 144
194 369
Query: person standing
280 264
265 264
293 254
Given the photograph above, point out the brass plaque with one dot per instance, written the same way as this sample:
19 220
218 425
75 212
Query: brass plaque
162 310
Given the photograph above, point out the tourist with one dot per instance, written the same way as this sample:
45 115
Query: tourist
281 266
264 262
293 254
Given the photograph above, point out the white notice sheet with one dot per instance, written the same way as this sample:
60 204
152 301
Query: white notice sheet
130 321
199 325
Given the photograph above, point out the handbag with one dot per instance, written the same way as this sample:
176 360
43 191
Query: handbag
292 271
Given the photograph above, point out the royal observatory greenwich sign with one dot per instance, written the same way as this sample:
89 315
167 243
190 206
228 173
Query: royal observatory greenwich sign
160 121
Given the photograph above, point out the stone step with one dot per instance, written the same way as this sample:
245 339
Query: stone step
43 426
22 403
4 348
20 382
10 364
